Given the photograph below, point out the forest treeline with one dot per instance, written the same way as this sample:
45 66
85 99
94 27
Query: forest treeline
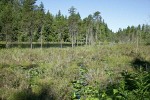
24 21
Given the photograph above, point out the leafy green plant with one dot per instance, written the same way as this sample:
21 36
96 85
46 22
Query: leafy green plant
133 86
33 75
82 90
80 83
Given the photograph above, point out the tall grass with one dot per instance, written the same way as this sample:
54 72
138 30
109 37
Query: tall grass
37 74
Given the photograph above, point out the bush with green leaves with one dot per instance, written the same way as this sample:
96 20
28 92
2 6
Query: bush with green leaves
133 86
82 90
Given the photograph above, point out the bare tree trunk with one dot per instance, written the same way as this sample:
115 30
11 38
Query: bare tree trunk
86 39
140 39
72 40
96 34
132 37
42 36
137 43
91 37
96 37
31 45
61 40
77 38
8 39
18 42
61 43
100 34
7 44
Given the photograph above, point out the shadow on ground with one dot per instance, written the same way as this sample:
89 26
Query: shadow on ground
13 80
27 94
140 63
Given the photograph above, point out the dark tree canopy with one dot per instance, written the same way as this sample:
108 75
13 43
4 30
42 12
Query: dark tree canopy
24 21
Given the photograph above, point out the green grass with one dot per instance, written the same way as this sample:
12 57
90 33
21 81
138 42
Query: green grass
37 74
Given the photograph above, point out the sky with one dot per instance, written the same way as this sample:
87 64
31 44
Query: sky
116 13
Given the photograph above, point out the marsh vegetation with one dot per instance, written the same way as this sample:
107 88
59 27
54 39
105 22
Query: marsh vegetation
59 57
89 72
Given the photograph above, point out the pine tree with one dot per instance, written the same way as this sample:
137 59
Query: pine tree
97 19
28 18
40 21
72 21
48 26
60 26
6 21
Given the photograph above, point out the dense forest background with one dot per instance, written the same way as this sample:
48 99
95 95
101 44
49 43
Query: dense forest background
24 21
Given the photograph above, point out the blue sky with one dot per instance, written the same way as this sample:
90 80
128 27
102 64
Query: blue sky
116 13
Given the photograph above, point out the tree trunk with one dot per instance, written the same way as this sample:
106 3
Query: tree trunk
72 40
140 39
61 43
8 39
7 44
18 41
97 28
86 38
42 36
96 35
137 43
60 40
77 38
91 37
31 45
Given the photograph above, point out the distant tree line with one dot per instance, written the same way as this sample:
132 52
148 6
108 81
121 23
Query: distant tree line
24 21
140 34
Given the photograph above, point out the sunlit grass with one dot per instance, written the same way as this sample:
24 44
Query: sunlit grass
55 68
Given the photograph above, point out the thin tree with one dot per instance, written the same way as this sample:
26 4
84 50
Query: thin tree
73 24
28 18
7 19
41 21
60 26
97 19
89 30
